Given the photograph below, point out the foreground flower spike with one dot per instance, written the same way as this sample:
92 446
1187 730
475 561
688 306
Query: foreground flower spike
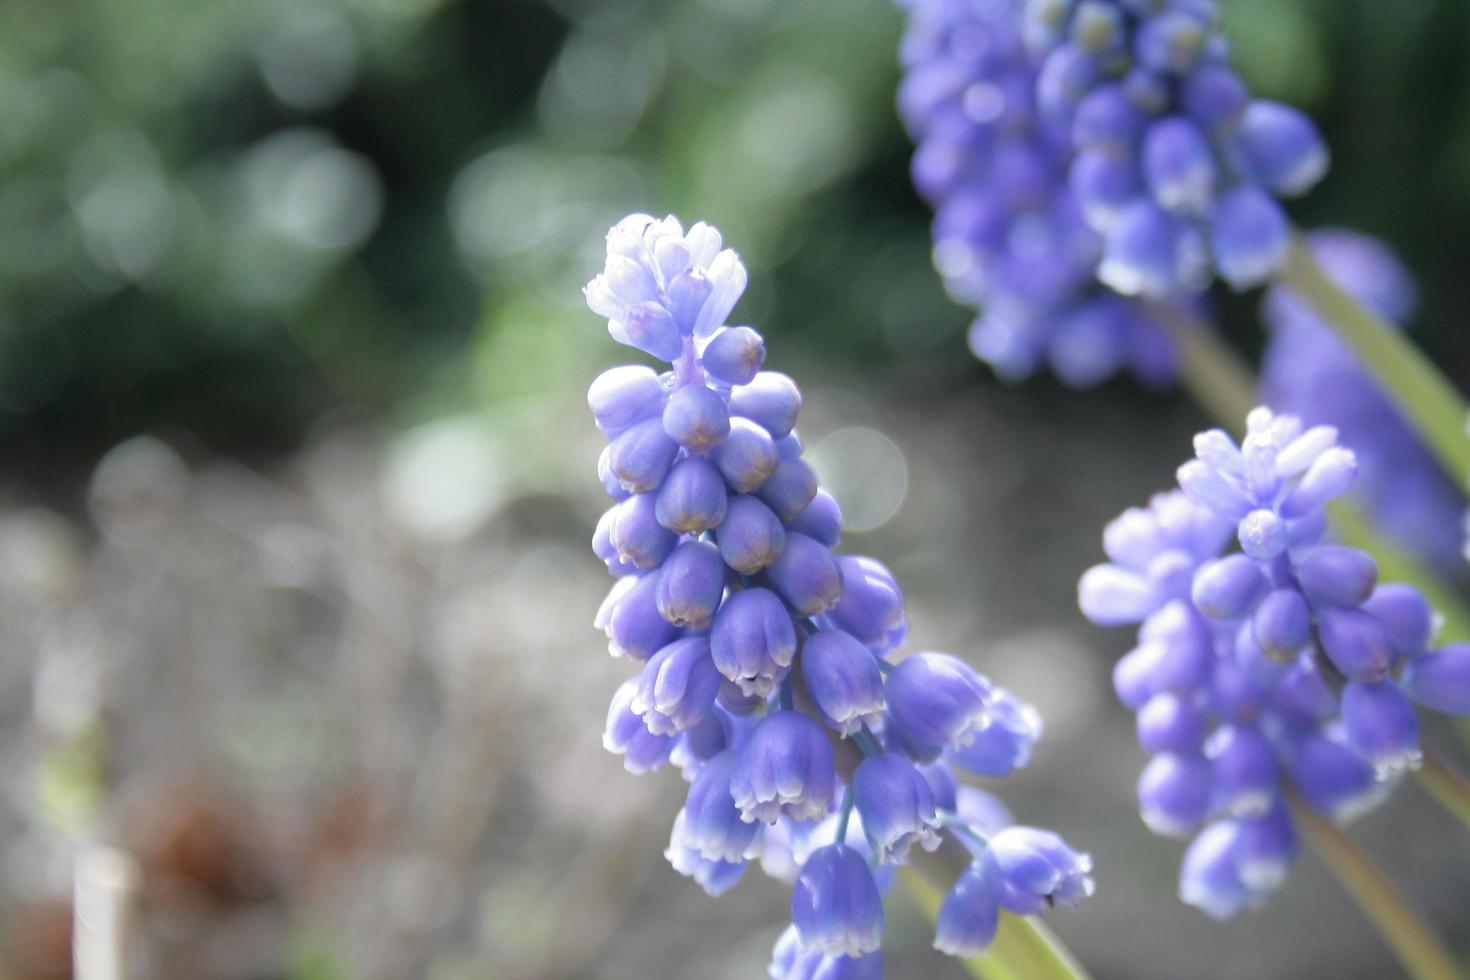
1010 236
1284 665
1174 163
1309 373
767 668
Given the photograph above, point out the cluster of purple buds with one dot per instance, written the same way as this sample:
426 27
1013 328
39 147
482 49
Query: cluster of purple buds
1173 162
1308 372
1282 667
1009 236
767 670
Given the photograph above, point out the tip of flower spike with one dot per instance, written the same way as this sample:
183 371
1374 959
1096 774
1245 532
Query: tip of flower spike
662 285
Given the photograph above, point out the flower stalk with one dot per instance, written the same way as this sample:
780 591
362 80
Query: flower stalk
1419 950
1426 397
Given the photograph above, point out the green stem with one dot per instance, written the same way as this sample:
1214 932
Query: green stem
1218 379
1419 951
1447 785
1024 948
1429 401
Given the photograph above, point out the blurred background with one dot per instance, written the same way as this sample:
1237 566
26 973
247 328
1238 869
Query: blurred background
297 480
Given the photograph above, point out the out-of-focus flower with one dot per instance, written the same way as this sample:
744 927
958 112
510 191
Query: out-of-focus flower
1309 373
1230 675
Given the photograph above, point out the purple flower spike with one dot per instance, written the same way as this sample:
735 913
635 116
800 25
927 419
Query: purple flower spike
721 544
1229 684
836 907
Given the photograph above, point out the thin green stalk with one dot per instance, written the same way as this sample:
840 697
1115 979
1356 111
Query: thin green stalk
1429 401
1446 784
1024 948
1216 377
1420 952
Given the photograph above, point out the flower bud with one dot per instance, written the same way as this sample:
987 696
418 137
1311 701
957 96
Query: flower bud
771 400
753 641
690 584
843 679
622 396
696 417
896 806
734 356
1381 726
938 700
1251 236
747 456
836 906
790 487
806 576
1282 146
692 498
1440 679
1033 870
677 687
786 766
751 536
641 456
1174 793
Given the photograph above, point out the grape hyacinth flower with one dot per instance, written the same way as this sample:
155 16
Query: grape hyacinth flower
1284 666
1174 163
1308 372
1010 236
769 666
